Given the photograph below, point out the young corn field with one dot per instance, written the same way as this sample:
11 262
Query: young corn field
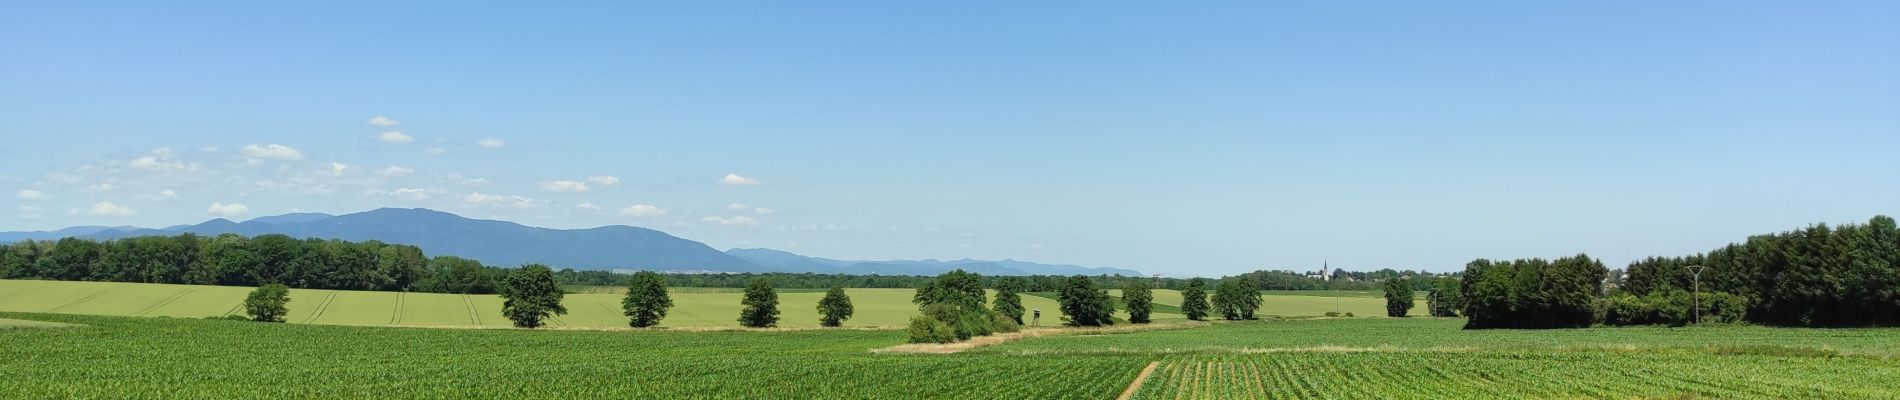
75 356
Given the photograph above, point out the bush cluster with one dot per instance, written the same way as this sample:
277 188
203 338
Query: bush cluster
1532 293
1673 308
1847 275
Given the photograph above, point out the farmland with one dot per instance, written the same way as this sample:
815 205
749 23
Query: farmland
591 308
1322 358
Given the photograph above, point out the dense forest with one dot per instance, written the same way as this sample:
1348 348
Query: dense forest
240 261
1846 275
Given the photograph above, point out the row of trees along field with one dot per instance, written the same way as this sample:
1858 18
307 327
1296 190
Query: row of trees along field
1847 275
241 261
1030 283
1818 276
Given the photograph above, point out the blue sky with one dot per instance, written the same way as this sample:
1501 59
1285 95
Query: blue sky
1199 139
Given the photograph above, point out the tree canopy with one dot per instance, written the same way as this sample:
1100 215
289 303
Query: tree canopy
1008 301
647 300
1194 300
834 308
760 305
1398 297
269 303
529 296
1139 301
1085 305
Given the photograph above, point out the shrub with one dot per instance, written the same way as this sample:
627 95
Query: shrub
924 329
1003 324
1349 315
268 303
1673 308
1328 314
1008 301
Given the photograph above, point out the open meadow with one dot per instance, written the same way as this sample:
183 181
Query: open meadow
694 307
1411 358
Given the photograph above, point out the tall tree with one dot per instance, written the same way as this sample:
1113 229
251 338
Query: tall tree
761 305
1085 305
1398 296
834 308
1443 300
530 296
1139 300
1008 302
647 301
1194 300
268 303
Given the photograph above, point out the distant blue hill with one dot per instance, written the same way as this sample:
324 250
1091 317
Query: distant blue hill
508 244
781 261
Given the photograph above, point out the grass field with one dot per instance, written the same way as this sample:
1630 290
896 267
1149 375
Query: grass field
116 357
693 307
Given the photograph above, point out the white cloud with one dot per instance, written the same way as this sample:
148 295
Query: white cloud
28 213
604 180
107 209
29 194
737 220
642 211
587 206
162 160
228 210
476 182
162 195
394 171
383 121
101 187
763 211
736 179
272 152
413 194
743 207
209 149
339 168
737 206
435 151
492 143
395 137
564 186
484 199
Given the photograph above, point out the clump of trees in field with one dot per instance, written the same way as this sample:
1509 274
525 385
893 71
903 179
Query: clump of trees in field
1398 297
647 300
759 307
1139 301
1237 298
1009 299
268 303
1194 300
529 296
834 308
954 302
235 260
1443 299
1085 305
1532 293
1847 275
1024 284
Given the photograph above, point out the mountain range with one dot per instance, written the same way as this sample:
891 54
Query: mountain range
615 247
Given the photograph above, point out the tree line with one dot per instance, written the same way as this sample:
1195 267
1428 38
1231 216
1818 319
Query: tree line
1820 275
236 260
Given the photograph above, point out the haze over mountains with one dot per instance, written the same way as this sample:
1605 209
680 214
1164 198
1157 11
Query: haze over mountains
507 244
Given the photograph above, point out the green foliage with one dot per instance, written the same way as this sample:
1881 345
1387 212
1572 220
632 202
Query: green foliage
1003 324
269 303
926 329
1444 300
1139 301
1398 297
1194 300
834 308
760 305
1847 275
1085 305
956 299
1673 308
530 295
1532 293
1009 301
229 260
647 300
1236 299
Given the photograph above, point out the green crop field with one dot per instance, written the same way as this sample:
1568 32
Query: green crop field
590 308
1413 358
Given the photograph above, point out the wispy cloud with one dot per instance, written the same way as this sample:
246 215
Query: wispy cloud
384 121
395 137
228 210
109 209
604 180
272 152
394 171
492 143
29 194
564 186
642 211
736 220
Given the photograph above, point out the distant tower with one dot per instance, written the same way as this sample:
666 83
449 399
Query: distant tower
1325 270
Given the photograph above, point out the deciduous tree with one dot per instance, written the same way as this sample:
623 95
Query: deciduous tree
647 300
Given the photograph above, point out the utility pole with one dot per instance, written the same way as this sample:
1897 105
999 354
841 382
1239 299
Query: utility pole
1697 271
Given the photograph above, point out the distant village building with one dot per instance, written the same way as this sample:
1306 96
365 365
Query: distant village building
1324 272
